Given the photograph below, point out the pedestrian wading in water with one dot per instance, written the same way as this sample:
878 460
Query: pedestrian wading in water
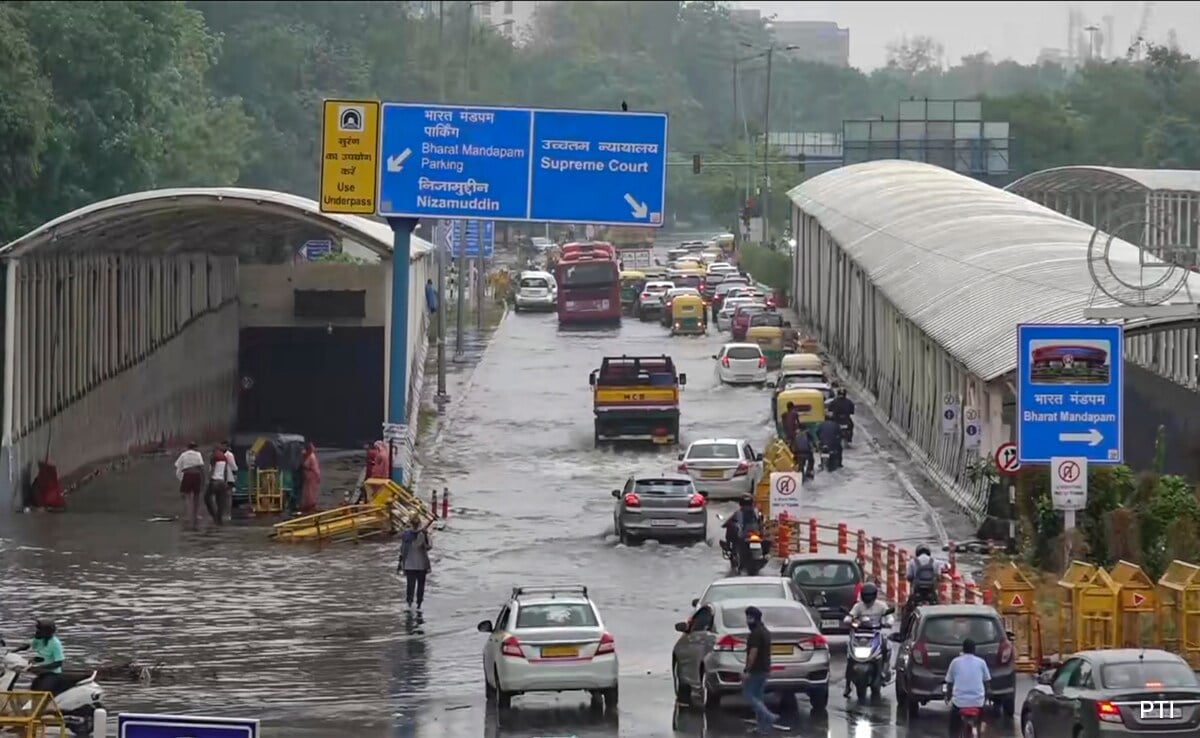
189 469
414 560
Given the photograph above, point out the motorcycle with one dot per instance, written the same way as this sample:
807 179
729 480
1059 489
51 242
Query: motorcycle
970 718
76 694
847 432
865 655
750 557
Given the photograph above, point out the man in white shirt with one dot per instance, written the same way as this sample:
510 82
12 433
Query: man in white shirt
221 479
189 469
966 683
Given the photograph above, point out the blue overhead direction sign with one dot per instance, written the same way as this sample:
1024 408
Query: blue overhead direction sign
472 231
1070 392
136 725
488 163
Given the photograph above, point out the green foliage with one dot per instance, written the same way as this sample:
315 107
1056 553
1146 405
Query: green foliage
772 268
101 99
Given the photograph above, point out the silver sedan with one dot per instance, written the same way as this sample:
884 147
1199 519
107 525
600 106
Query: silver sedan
663 506
709 658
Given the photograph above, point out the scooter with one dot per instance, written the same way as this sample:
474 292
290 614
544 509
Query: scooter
756 549
865 656
847 433
76 694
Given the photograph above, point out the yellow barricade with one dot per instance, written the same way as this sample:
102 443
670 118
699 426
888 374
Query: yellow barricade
1096 611
1015 602
1137 622
267 495
1179 610
29 714
1077 574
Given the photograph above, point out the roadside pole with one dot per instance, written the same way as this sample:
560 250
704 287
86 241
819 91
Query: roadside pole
402 229
463 278
480 278
440 246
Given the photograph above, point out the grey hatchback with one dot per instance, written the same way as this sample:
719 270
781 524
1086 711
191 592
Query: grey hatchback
665 506
710 655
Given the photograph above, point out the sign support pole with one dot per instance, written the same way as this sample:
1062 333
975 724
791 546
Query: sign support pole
480 284
402 229
441 328
463 281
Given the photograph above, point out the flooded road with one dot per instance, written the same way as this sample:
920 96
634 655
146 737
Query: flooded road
317 643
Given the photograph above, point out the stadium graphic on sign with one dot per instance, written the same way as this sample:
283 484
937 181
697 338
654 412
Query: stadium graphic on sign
1079 362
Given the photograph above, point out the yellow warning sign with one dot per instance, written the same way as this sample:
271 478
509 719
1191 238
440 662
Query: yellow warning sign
349 156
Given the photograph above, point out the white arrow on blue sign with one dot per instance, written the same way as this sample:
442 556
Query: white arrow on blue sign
557 166
1070 392
136 725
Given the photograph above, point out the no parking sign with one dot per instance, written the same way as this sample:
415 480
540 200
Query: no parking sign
785 494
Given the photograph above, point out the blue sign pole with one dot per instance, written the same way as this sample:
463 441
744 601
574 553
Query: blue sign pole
1070 392
402 229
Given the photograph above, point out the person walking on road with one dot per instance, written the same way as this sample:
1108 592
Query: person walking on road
758 668
311 485
414 560
189 469
222 477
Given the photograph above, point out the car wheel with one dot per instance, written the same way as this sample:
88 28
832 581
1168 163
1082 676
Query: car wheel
610 697
819 699
625 538
503 698
1027 730
489 692
901 695
708 697
683 693
517 308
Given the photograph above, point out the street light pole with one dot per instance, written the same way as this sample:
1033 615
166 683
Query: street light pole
461 309
441 252
766 196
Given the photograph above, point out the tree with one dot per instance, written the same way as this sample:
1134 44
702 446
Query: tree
916 55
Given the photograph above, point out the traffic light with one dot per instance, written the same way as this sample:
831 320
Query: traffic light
695 163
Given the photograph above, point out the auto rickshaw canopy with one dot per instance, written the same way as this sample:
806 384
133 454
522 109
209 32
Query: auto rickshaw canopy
810 402
687 305
632 276
802 362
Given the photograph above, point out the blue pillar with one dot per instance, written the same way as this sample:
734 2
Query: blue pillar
402 229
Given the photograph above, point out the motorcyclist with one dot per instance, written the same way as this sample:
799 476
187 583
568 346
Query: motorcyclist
790 337
48 651
923 573
967 684
842 410
869 606
745 519
829 433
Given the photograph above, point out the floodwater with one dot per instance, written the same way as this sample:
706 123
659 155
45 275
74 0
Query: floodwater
316 642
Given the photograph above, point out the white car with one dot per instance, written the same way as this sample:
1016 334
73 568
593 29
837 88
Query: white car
722 468
741 363
728 307
541 244
549 639
536 291
722 266
650 301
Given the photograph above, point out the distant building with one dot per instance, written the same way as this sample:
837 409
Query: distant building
823 42
513 18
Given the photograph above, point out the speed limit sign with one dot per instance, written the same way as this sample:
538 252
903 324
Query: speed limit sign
1006 459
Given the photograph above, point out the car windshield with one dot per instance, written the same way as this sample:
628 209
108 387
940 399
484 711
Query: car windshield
768 319
745 311
556 615
687 280
743 352
734 618
824 574
732 305
714 451
755 591
535 282
663 486
1148 674
659 286
952 630
677 292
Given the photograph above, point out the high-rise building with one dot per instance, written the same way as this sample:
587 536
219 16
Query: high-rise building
816 41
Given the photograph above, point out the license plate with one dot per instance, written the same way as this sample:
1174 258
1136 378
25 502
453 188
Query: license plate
712 474
781 650
756 547
829 623
663 523
560 652
1165 714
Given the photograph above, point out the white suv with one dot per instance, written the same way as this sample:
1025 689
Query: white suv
549 639
536 291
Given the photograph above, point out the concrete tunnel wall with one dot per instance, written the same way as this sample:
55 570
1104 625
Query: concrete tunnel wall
114 354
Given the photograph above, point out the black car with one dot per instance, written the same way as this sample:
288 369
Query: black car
830 582
1117 692
935 637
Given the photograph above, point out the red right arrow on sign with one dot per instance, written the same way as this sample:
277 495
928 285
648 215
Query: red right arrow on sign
1138 599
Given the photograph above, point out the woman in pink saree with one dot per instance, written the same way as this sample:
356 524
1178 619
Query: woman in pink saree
312 480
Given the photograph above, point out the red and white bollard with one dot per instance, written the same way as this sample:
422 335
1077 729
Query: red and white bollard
445 502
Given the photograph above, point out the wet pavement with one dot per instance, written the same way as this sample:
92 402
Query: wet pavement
316 642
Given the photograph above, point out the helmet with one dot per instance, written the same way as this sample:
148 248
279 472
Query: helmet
923 549
968 645
869 593
44 629
841 393
746 501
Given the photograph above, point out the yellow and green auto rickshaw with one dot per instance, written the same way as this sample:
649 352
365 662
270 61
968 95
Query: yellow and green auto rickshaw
631 286
770 339
810 402
654 272
688 316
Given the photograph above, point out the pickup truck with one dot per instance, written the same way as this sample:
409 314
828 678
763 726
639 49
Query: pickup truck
636 398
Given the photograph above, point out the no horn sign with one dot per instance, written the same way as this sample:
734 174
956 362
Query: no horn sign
785 494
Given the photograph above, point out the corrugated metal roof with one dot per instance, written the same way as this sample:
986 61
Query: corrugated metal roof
963 260
196 218
1107 179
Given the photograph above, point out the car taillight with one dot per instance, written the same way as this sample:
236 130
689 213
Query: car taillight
676 326
754 538
857 591
645 295
1108 712
607 645
725 362
696 501
816 642
682 468
762 362
729 643
920 654
743 468
1005 652
632 500
512 647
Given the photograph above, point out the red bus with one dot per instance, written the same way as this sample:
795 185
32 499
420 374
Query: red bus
589 284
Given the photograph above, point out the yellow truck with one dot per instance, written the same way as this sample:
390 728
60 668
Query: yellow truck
636 398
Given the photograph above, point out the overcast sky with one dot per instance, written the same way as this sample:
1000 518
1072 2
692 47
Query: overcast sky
1009 30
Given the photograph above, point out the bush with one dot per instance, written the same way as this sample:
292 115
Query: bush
772 268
